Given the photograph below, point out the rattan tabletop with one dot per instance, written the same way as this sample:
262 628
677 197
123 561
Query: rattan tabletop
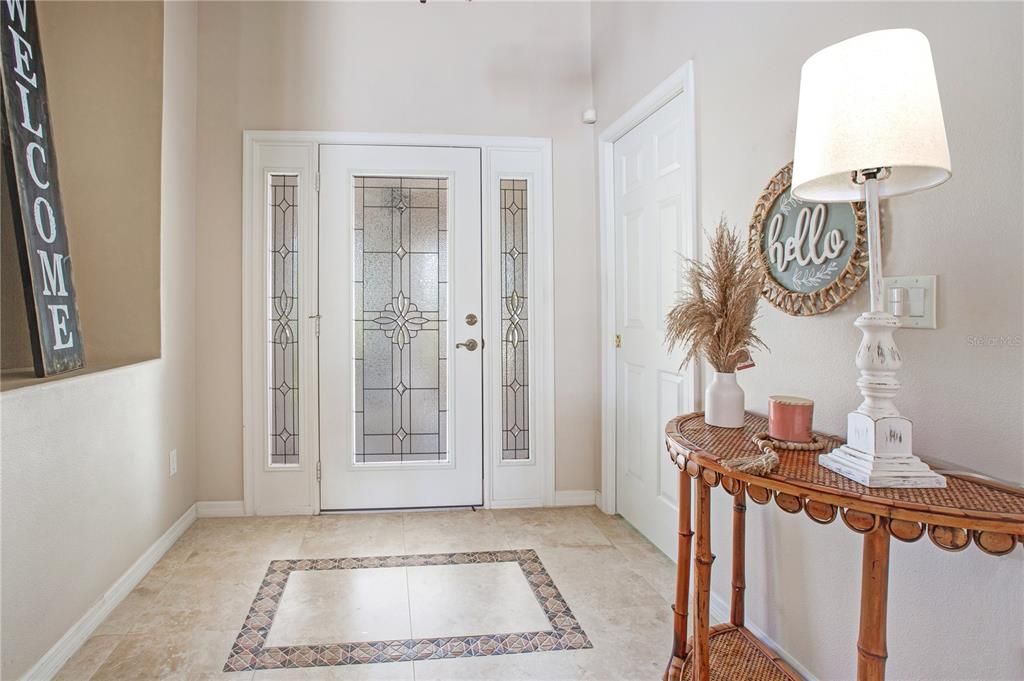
967 502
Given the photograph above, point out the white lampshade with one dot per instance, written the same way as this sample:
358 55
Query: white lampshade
869 102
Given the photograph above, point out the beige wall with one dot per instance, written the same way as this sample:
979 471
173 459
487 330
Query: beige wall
85 487
103 70
952 616
496 69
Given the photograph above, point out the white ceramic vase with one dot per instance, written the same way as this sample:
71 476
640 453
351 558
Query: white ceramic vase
723 402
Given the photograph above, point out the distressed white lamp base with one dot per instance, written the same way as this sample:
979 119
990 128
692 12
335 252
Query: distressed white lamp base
879 453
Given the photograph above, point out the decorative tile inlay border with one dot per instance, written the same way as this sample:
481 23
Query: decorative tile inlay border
250 651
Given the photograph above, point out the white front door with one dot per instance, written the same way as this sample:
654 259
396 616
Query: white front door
401 370
652 230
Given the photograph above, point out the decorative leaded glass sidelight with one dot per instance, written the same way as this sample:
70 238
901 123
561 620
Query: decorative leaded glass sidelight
283 310
400 280
515 395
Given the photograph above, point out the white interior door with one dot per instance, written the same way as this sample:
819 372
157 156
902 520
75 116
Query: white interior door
401 415
653 228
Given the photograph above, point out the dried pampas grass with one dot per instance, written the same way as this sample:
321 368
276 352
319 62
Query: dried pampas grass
715 311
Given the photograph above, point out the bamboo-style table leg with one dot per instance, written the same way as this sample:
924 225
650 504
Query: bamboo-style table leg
681 607
739 579
702 615
874 590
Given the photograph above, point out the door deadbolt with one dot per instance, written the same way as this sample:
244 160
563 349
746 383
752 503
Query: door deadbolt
470 345
471 319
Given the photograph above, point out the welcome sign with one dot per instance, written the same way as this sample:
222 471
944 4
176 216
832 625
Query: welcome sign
813 255
31 166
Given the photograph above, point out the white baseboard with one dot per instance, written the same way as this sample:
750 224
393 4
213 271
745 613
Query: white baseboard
516 503
575 497
565 497
720 613
220 509
50 663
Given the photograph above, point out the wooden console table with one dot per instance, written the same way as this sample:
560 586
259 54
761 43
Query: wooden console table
970 509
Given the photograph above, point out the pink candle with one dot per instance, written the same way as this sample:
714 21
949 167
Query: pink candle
790 418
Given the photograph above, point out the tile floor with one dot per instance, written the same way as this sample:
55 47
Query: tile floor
182 619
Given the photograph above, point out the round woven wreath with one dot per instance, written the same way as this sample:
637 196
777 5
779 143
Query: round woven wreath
823 300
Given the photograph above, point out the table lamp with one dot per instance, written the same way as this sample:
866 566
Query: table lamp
869 125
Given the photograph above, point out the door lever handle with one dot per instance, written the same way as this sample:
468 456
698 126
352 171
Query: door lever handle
470 345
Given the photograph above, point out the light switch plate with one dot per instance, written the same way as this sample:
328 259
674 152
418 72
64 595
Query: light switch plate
919 300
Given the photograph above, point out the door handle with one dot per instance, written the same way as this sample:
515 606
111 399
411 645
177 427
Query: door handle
470 345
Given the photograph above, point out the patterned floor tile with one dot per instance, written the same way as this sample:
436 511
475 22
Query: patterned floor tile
251 652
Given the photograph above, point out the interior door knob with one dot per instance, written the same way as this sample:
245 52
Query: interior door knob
470 345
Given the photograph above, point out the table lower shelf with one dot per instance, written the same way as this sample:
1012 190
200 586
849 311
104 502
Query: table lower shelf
736 655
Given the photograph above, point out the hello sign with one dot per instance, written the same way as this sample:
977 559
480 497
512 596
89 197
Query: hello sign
814 255
31 166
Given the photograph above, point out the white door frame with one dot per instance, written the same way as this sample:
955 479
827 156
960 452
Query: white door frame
680 82
506 484
277 489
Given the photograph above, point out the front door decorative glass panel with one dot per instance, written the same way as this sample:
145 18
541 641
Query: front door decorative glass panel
400 303
515 393
283 319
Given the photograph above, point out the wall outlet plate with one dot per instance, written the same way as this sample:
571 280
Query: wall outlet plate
919 300
174 461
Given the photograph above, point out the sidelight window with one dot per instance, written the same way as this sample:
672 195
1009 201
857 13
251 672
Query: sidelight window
283 320
515 356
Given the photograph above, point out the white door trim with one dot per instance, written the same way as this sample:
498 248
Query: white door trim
680 82
516 484
266 489
494 154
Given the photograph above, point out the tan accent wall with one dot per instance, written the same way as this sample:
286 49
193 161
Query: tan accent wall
104 66
493 69
15 350
965 399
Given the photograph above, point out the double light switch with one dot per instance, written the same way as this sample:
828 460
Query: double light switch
911 300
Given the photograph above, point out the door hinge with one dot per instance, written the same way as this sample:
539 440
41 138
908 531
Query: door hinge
618 341
318 470
316 181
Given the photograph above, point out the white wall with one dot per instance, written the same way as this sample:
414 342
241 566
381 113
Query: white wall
85 460
496 69
951 616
